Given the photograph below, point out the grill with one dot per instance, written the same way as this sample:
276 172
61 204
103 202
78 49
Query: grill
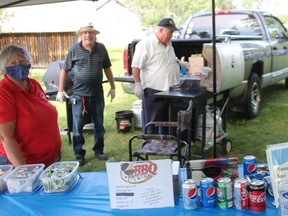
51 79
51 82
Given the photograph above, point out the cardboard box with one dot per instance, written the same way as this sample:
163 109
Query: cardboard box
196 64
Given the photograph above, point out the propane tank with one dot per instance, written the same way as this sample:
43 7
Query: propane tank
209 126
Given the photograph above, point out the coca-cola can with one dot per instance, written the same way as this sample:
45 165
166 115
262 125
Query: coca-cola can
257 195
241 194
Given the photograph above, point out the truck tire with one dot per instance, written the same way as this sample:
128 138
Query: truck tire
254 97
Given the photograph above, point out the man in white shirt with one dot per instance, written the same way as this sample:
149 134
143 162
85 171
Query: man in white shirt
155 68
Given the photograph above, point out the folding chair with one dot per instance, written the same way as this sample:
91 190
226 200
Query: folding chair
178 145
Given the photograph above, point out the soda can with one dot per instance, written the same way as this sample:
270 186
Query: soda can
249 165
208 193
283 204
241 194
190 194
224 193
268 185
283 198
257 195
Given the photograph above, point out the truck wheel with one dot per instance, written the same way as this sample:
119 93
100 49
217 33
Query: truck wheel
254 96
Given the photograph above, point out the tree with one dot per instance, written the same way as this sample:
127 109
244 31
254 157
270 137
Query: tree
151 11
248 4
4 16
224 4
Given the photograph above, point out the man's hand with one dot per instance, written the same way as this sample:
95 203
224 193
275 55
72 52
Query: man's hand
183 63
112 94
138 90
61 95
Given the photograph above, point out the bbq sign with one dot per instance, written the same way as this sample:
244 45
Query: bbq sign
139 184
138 172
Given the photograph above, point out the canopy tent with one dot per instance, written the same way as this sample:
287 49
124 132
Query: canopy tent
18 3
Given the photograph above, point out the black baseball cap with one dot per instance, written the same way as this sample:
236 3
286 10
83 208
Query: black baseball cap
168 23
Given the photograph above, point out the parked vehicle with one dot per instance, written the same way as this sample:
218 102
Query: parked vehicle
264 42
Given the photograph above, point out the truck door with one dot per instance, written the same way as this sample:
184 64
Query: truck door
279 44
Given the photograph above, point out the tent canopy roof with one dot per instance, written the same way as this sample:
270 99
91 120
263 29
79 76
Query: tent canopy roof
18 3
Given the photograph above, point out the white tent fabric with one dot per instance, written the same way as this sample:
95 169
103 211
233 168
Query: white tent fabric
18 3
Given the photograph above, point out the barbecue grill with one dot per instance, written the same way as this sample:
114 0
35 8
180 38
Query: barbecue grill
51 82
51 79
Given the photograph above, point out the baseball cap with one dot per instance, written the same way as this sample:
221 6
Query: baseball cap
168 23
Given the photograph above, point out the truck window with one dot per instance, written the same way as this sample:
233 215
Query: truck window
226 24
271 29
282 30
275 29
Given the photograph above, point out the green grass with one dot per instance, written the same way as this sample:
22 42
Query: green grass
247 136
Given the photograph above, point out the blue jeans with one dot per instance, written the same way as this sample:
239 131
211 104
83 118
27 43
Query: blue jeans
94 107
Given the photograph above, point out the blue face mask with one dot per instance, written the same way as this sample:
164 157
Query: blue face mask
18 72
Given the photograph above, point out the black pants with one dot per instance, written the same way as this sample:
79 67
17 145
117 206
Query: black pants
154 111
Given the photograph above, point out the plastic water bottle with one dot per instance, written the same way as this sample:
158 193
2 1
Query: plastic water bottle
283 199
183 71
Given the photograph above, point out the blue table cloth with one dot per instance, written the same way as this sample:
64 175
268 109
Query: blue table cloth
90 196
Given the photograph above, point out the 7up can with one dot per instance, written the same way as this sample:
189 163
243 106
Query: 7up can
190 194
224 193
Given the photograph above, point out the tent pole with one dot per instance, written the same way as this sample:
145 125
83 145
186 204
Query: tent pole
214 77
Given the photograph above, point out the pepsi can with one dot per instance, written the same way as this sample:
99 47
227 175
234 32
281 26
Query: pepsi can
190 194
249 166
208 193
241 194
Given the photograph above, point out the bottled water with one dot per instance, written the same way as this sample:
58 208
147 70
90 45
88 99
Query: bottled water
283 199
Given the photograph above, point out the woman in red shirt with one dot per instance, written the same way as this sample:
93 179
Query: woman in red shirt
29 131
